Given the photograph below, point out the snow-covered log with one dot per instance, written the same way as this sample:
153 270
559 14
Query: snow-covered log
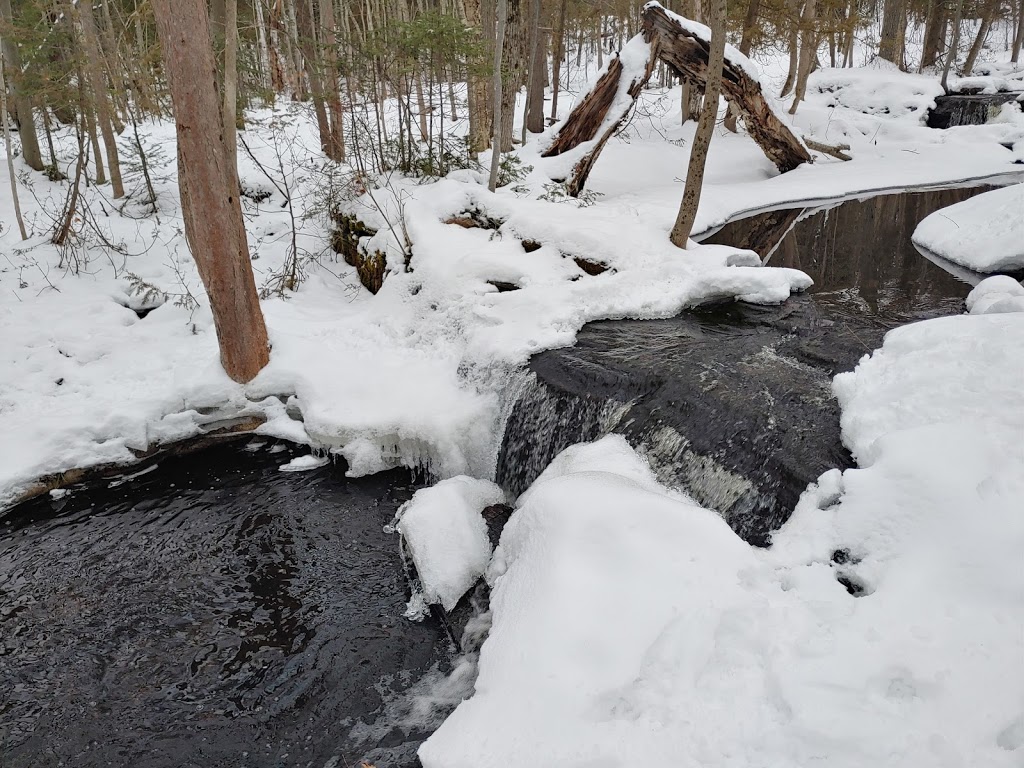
602 110
683 45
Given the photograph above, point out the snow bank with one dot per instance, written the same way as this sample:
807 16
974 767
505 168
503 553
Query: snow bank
882 628
880 89
447 536
984 233
993 295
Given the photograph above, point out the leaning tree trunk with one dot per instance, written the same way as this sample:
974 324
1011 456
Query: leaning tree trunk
214 228
987 13
7 143
746 41
680 233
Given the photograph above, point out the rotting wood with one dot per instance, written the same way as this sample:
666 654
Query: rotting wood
686 54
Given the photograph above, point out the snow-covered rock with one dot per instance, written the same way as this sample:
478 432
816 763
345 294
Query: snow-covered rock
999 293
447 536
984 233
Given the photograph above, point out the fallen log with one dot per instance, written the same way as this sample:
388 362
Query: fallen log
603 109
683 45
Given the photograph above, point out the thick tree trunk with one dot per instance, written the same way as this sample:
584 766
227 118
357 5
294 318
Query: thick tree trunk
21 103
934 34
1018 39
307 44
894 28
680 233
988 12
534 122
214 228
333 95
513 66
476 87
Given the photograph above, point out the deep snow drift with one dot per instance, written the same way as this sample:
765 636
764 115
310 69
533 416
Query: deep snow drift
985 233
882 628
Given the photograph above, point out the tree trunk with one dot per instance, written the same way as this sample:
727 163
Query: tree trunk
808 49
499 46
793 16
705 128
7 143
934 34
534 122
1018 39
514 65
476 88
97 85
20 101
894 27
229 106
307 44
954 45
214 228
746 41
333 94
556 59
987 13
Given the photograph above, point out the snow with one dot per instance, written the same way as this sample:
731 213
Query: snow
632 627
447 536
997 294
305 463
984 233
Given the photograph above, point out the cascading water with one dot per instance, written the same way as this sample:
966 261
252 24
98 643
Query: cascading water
732 403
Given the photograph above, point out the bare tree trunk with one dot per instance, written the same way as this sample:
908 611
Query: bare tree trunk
894 27
514 58
476 87
793 9
499 45
705 128
556 59
307 44
746 41
214 228
934 34
7 143
94 72
1018 39
954 45
22 104
534 118
987 13
808 49
229 107
333 95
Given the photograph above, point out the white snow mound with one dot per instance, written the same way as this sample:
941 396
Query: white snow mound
984 233
996 294
447 536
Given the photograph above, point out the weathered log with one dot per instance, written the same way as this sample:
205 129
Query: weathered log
594 118
680 45
686 52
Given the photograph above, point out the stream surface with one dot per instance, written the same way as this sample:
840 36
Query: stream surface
214 612
733 402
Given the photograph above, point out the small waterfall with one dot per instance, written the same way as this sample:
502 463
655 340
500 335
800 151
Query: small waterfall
967 109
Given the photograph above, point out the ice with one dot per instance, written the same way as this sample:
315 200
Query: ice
305 463
984 233
447 536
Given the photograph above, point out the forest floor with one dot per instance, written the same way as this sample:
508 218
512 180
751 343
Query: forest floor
663 634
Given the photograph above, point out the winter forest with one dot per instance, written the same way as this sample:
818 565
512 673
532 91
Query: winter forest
512 383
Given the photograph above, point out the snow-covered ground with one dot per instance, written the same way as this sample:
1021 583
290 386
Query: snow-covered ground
632 627
984 233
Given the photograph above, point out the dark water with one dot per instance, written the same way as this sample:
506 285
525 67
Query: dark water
958 109
733 402
213 612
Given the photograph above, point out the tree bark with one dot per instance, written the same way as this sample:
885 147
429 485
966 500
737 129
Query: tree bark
680 233
7 143
20 101
793 16
934 34
514 66
229 106
214 228
97 85
476 88
556 59
499 45
534 122
894 27
746 41
988 11
1018 39
808 49
954 45
333 94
